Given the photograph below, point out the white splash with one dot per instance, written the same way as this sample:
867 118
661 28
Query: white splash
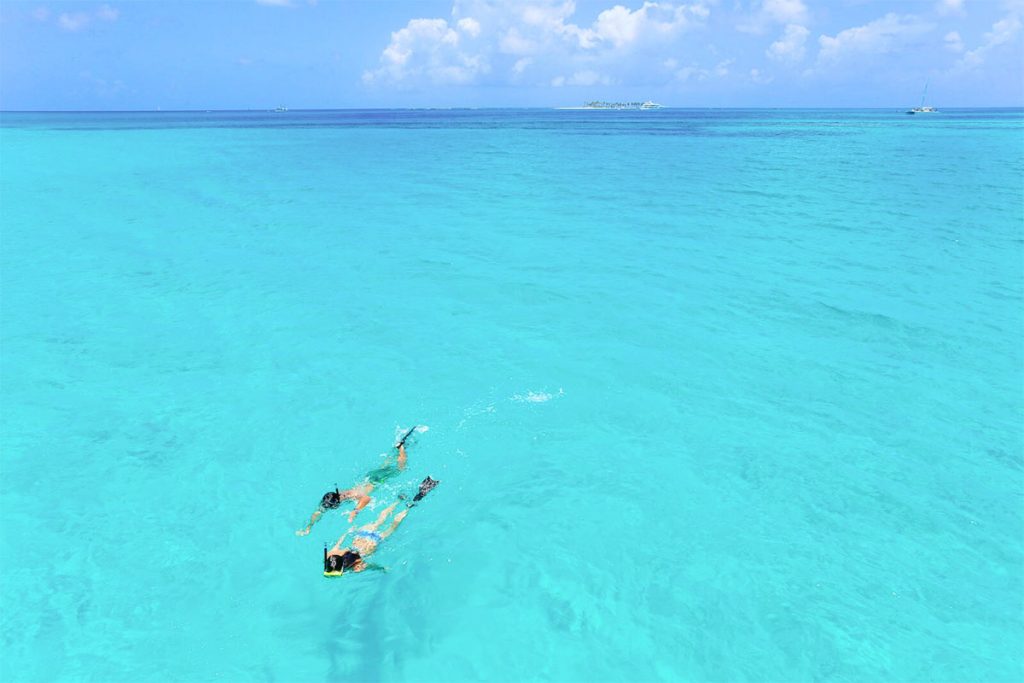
469 413
536 396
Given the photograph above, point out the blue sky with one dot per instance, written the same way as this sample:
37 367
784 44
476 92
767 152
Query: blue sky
322 54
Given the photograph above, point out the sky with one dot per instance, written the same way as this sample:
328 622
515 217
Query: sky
258 54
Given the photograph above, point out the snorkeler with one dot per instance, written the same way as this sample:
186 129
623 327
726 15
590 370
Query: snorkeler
361 492
338 560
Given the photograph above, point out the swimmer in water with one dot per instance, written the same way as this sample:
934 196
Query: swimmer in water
360 493
339 560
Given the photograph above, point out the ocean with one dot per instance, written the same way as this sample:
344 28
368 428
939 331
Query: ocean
714 395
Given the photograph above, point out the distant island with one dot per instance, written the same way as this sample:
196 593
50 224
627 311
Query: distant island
597 104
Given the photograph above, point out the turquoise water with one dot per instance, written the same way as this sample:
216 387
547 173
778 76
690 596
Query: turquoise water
714 395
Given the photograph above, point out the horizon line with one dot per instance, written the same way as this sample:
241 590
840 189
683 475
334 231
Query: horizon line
468 108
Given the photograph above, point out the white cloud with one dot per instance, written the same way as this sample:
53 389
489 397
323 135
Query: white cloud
888 34
430 49
954 42
41 13
692 73
772 12
785 11
73 21
790 47
620 26
469 26
757 77
107 13
950 7
505 40
1003 31
696 73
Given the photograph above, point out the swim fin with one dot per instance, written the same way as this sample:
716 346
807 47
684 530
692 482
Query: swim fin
426 486
401 442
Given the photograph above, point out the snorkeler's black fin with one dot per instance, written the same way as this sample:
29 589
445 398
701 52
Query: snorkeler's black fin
401 442
426 486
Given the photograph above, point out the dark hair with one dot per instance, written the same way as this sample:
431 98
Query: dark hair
337 563
331 500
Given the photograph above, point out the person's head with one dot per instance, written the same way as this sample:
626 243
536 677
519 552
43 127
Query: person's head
336 565
331 500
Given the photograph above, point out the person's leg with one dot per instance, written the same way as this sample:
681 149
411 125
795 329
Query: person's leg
394 524
402 457
380 519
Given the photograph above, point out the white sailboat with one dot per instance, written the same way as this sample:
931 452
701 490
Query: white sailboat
923 109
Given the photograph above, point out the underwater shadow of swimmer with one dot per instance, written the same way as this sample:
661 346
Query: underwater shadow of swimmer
353 640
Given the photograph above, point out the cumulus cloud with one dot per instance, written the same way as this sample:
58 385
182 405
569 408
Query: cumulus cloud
790 47
954 42
469 26
773 12
1003 31
697 73
786 11
950 7
537 39
431 49
761 79
888 34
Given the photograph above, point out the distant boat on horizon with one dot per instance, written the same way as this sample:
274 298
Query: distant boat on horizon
281 109
923 109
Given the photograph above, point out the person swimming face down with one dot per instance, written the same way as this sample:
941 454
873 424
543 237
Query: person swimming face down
361 492
337 564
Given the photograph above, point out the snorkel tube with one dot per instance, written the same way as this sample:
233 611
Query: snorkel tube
329 574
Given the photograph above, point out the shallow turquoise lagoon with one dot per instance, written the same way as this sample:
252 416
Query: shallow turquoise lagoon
714 395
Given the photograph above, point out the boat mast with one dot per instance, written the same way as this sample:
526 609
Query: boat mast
924 94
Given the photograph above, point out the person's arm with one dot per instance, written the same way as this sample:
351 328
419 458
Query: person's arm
364 500
312 520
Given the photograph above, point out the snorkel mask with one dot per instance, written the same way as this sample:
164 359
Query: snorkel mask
335 565
331 499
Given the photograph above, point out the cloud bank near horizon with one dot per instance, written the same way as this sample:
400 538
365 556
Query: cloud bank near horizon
544 43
